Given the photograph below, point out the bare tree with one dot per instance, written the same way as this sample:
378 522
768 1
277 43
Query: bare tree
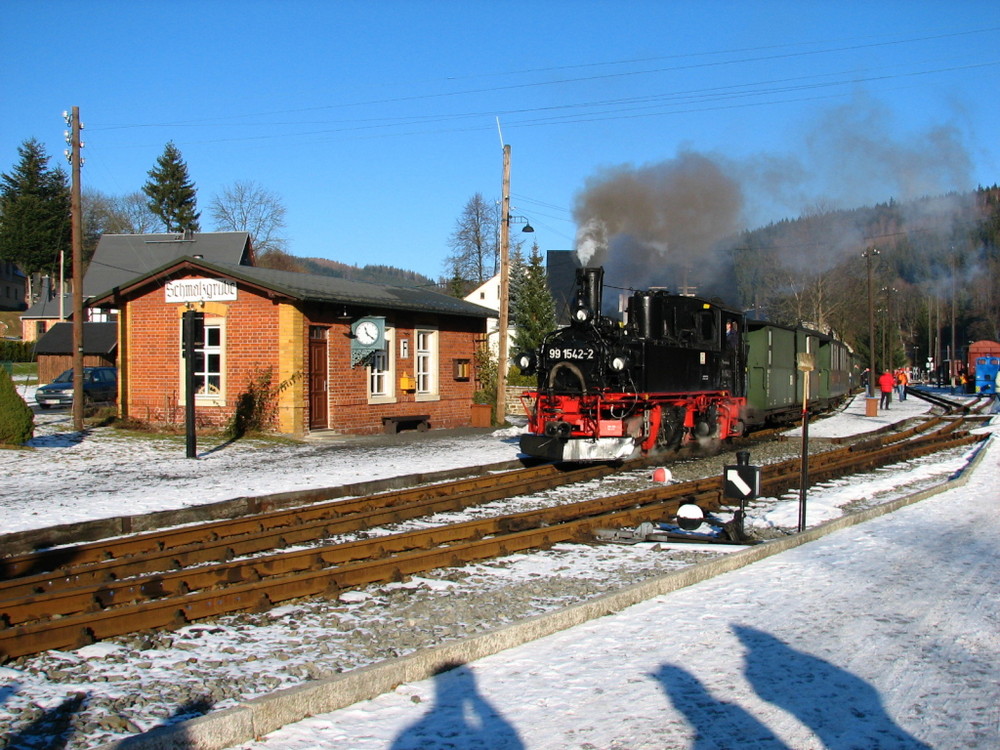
475 242
246 206
135 213
113 214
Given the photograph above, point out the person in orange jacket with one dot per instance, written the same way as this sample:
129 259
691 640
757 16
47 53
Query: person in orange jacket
901 381
886 383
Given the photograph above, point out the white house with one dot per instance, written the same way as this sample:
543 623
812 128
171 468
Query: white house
487 295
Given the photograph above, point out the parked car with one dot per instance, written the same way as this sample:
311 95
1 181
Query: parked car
99 384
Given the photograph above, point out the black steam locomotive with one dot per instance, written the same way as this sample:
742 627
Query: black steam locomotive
672 373
678 370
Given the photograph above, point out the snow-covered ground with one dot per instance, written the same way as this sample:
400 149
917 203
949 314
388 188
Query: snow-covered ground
854 641
884 635
64 478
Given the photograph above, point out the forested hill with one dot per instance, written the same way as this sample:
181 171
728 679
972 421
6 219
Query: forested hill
373 274
932 266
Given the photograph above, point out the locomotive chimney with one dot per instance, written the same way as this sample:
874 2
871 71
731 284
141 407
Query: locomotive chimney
590 285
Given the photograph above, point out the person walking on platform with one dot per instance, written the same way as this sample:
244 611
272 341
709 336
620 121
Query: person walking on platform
886 383
902 379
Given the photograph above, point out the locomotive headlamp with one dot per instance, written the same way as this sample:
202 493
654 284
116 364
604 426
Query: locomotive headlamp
526 362
583 314
619 362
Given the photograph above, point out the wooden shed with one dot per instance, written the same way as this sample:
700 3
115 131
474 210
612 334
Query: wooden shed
54 350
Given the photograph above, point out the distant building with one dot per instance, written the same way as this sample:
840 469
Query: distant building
487 294
47 311
13 287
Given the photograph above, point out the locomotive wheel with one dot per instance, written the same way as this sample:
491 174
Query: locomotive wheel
671 428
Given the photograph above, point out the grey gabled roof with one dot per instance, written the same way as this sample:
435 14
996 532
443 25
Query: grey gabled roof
47 306
120 258
308 287
98 338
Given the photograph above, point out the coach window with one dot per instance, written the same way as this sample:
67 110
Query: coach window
381 373
426 364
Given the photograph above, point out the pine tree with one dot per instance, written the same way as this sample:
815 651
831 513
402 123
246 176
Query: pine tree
34 212
533 311
171 193
17 423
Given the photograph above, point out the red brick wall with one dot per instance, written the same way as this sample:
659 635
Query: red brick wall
154 371
350 411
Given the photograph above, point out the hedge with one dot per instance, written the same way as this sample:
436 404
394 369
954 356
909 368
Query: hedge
17 351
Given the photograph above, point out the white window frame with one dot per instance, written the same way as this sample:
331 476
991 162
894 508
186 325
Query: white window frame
426 363
202 398
381 381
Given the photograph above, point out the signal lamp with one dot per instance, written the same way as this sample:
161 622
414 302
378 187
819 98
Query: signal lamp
690 516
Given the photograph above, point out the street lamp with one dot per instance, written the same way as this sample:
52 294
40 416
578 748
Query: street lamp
868 255
505 221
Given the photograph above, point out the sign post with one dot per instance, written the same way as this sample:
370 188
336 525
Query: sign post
807 363
191 328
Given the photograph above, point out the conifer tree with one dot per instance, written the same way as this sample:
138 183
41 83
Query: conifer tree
171 192
17 423
34 212
533 310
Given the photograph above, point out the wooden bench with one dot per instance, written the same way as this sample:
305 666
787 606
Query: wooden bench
392 425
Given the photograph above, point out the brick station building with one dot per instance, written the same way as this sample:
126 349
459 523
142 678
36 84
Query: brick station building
338 355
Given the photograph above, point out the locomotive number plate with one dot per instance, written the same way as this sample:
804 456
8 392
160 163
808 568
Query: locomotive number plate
571 353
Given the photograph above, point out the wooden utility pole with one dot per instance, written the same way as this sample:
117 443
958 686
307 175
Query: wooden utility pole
76 215
501 405
867 255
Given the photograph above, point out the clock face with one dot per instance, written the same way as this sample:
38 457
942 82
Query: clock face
366 332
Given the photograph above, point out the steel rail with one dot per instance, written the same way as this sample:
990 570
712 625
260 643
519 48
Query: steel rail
78 615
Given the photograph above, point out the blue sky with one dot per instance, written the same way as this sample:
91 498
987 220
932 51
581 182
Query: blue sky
375 122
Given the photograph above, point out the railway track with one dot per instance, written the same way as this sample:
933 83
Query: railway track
68 597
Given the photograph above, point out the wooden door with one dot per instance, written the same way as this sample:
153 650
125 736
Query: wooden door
318 379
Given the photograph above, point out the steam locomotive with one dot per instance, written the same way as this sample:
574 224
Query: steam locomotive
678 370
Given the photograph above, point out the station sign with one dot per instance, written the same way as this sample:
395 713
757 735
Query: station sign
199 290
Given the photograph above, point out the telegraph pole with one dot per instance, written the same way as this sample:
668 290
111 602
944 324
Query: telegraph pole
76 214
867 255
501 407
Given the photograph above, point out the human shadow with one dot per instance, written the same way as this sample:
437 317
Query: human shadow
459 719
167 733
842 709
52 730
718 725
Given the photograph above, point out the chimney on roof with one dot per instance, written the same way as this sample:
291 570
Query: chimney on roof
188 235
